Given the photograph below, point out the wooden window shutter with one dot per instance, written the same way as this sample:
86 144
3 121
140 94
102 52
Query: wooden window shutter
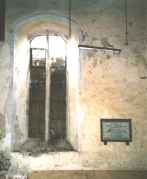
2 20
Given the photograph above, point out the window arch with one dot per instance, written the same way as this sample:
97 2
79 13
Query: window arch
24 29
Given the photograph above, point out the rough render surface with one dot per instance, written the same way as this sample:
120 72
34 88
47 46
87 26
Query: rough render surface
111 86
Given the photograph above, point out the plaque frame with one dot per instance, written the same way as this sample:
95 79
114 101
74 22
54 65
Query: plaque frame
127 141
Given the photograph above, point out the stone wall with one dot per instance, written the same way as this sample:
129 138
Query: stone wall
110 85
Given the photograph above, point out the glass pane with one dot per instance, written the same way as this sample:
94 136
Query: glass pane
38 54
57 47
39 42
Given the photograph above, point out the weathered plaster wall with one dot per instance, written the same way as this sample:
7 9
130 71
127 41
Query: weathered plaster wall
114 86
111 86
6 85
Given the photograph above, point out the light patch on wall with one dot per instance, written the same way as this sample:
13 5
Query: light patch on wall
73 69
21 62
73 57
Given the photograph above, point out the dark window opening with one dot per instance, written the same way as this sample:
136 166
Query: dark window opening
37 93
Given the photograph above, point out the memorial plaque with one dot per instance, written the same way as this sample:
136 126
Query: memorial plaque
116 130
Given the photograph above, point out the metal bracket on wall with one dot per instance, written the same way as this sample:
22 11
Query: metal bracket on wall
115 50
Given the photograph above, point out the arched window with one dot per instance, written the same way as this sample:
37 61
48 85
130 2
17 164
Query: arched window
46 37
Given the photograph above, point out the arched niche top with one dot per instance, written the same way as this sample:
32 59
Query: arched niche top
43 24
25 29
